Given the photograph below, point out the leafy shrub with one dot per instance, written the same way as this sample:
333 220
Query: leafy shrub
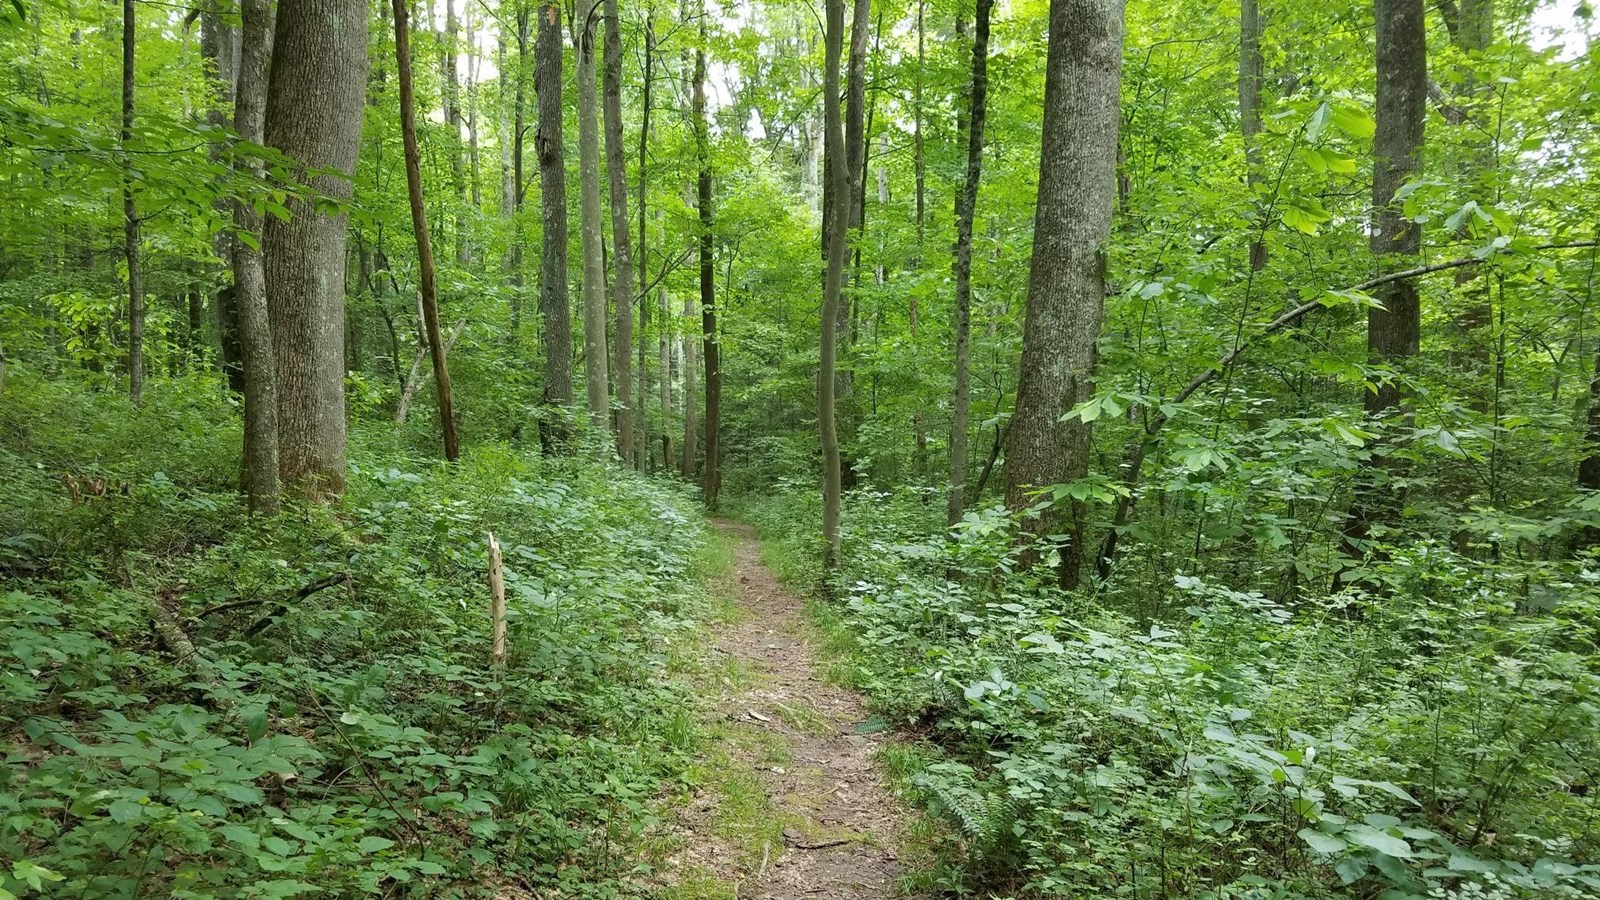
1425 743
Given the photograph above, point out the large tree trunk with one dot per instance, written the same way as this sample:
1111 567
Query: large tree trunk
553 210
617 173
836 202
712 482
966 206
1394 327
419 225
314 107
249 278
595 352
1066 279
130 215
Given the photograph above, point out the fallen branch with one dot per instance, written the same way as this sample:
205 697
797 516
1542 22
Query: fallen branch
1139 445
283 605
414 380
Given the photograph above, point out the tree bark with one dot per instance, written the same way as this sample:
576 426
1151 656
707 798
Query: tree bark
1250 73
1066 279
595 350
130 213
249 278
555 426
419 225
617 172
642 421
919 418
711 484
512 193
966 206
1394 327
836 200
1471 26
314 106
689 352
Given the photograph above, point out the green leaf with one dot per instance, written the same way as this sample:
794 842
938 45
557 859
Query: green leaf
26 870
255 723
373 843
1354 121
1318 124
1322 842
1381 841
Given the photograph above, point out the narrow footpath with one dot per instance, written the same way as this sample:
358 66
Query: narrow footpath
797 806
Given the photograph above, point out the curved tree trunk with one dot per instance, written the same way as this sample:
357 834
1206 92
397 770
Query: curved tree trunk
554 428
1066 278
249 278
419 225
314 106
617 173
966 206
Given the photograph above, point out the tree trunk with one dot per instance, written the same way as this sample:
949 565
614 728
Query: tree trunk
966 207
554 427
919 418
419 225
218 48
853 208
836 200
642 421
595 352
1250 71
130 215
1066 278
450 97
689 352
511 189
314 106
1471 28
617 172
1394 328
712 482
249 279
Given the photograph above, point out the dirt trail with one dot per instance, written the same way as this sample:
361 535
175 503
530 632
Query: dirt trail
797 734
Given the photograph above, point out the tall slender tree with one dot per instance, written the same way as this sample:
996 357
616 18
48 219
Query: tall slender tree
836 196
130 211
419 225
1066 277
640 419
622 254
249 277
553 212
1250 77
314 106
966 206
595 347
711 483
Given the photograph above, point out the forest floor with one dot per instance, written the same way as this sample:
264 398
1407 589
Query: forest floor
791 803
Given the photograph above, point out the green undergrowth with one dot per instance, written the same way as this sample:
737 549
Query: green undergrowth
336 728
1430 742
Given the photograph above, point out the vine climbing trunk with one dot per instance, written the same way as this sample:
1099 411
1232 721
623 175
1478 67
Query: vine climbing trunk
419 224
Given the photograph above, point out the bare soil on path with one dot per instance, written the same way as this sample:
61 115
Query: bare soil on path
818 819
